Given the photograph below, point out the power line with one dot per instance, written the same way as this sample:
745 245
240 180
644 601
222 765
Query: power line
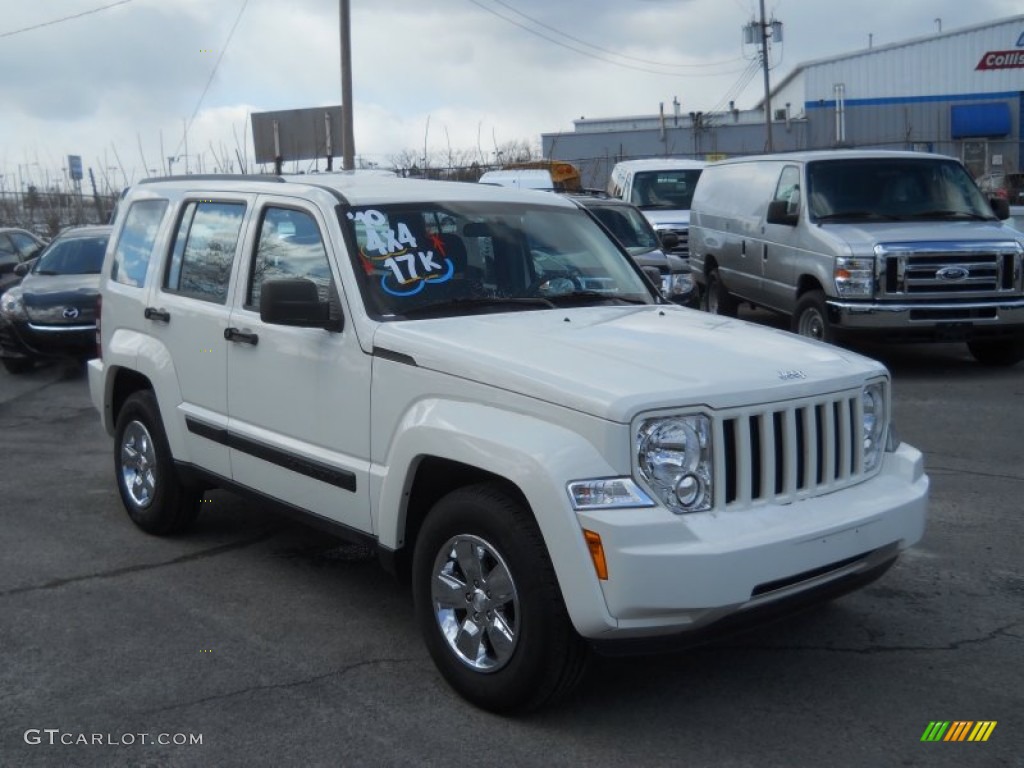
585 52
64 18
209 80
608 50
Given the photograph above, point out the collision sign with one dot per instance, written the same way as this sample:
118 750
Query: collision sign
1002 60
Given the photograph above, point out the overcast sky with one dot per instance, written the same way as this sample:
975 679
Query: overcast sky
104 83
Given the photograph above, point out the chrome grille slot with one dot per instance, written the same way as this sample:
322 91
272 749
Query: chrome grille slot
792 450
956 269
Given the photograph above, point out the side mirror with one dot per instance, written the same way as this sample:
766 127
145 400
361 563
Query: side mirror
779 213
669 240
293 301
1000 207
23 269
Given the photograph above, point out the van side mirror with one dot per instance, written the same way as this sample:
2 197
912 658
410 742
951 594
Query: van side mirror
779 213
293 301
669 240
23 269
1000 207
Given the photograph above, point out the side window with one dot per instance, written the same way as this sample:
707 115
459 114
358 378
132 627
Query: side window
135 244
8 256
289 245
25 244
204 250
788 189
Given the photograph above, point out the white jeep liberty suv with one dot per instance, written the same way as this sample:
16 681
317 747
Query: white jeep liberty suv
479 382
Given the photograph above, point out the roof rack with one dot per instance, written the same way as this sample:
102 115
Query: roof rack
215 177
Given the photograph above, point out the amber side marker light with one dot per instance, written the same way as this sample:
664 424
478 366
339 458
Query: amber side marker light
596 553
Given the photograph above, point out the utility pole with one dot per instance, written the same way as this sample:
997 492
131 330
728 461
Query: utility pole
767 86
348 148
760 33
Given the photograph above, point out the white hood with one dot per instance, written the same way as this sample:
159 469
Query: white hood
614 362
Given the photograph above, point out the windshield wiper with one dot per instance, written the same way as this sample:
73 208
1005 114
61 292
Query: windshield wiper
45 272
522 302
949 214
856 215
597 295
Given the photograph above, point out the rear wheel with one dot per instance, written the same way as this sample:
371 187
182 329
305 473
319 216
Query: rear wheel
810 318
18 365
155 498
488 604
718 300
1002 352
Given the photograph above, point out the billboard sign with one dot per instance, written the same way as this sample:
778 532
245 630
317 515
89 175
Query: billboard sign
297 134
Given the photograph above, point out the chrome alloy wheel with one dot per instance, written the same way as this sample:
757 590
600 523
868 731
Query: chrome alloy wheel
138 464
812 324
475 603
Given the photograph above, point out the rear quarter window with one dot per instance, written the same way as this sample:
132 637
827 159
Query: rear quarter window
135 242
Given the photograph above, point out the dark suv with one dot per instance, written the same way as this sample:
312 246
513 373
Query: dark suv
630 228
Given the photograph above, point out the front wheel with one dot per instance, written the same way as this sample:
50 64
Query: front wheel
717 299
810 318
488 604
155 498
1002 352
18 365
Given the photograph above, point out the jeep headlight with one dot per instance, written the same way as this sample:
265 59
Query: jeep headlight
674 457
874 423
855 278
13 305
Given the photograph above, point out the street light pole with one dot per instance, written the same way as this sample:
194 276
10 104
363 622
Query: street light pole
348 148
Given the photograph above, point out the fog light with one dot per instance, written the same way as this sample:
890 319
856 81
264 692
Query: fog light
688 489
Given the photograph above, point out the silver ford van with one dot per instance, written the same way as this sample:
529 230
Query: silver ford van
897 245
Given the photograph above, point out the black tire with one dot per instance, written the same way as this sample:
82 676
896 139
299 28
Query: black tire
545 658
16 365
810 318
157 501
997 352
716 299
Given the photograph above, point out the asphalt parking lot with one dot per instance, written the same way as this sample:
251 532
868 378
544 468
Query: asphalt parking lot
277 646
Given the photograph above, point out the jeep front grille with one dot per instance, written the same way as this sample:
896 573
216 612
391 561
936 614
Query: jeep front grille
954 269
791 451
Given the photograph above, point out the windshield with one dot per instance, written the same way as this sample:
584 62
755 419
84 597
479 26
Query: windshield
665 189
73 256
421 259
628 226
893 189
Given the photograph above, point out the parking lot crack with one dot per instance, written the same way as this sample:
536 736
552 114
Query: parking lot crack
934 469
334 673
128 569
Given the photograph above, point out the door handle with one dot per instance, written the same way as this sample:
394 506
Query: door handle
242 337
743 248
152 313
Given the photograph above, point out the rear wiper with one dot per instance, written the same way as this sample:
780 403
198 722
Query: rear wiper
856 215
483 301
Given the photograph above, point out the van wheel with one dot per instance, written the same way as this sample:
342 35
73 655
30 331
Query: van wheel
810 318
717 300
1003 352
155 498
488 604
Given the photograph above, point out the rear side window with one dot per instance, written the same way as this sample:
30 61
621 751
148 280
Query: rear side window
135 245
204 250
289 245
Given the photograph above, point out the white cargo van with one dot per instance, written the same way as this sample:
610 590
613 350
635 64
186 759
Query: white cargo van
898 245
661 187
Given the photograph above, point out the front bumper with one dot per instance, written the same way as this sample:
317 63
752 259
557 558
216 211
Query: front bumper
931 320
677 575
24 339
